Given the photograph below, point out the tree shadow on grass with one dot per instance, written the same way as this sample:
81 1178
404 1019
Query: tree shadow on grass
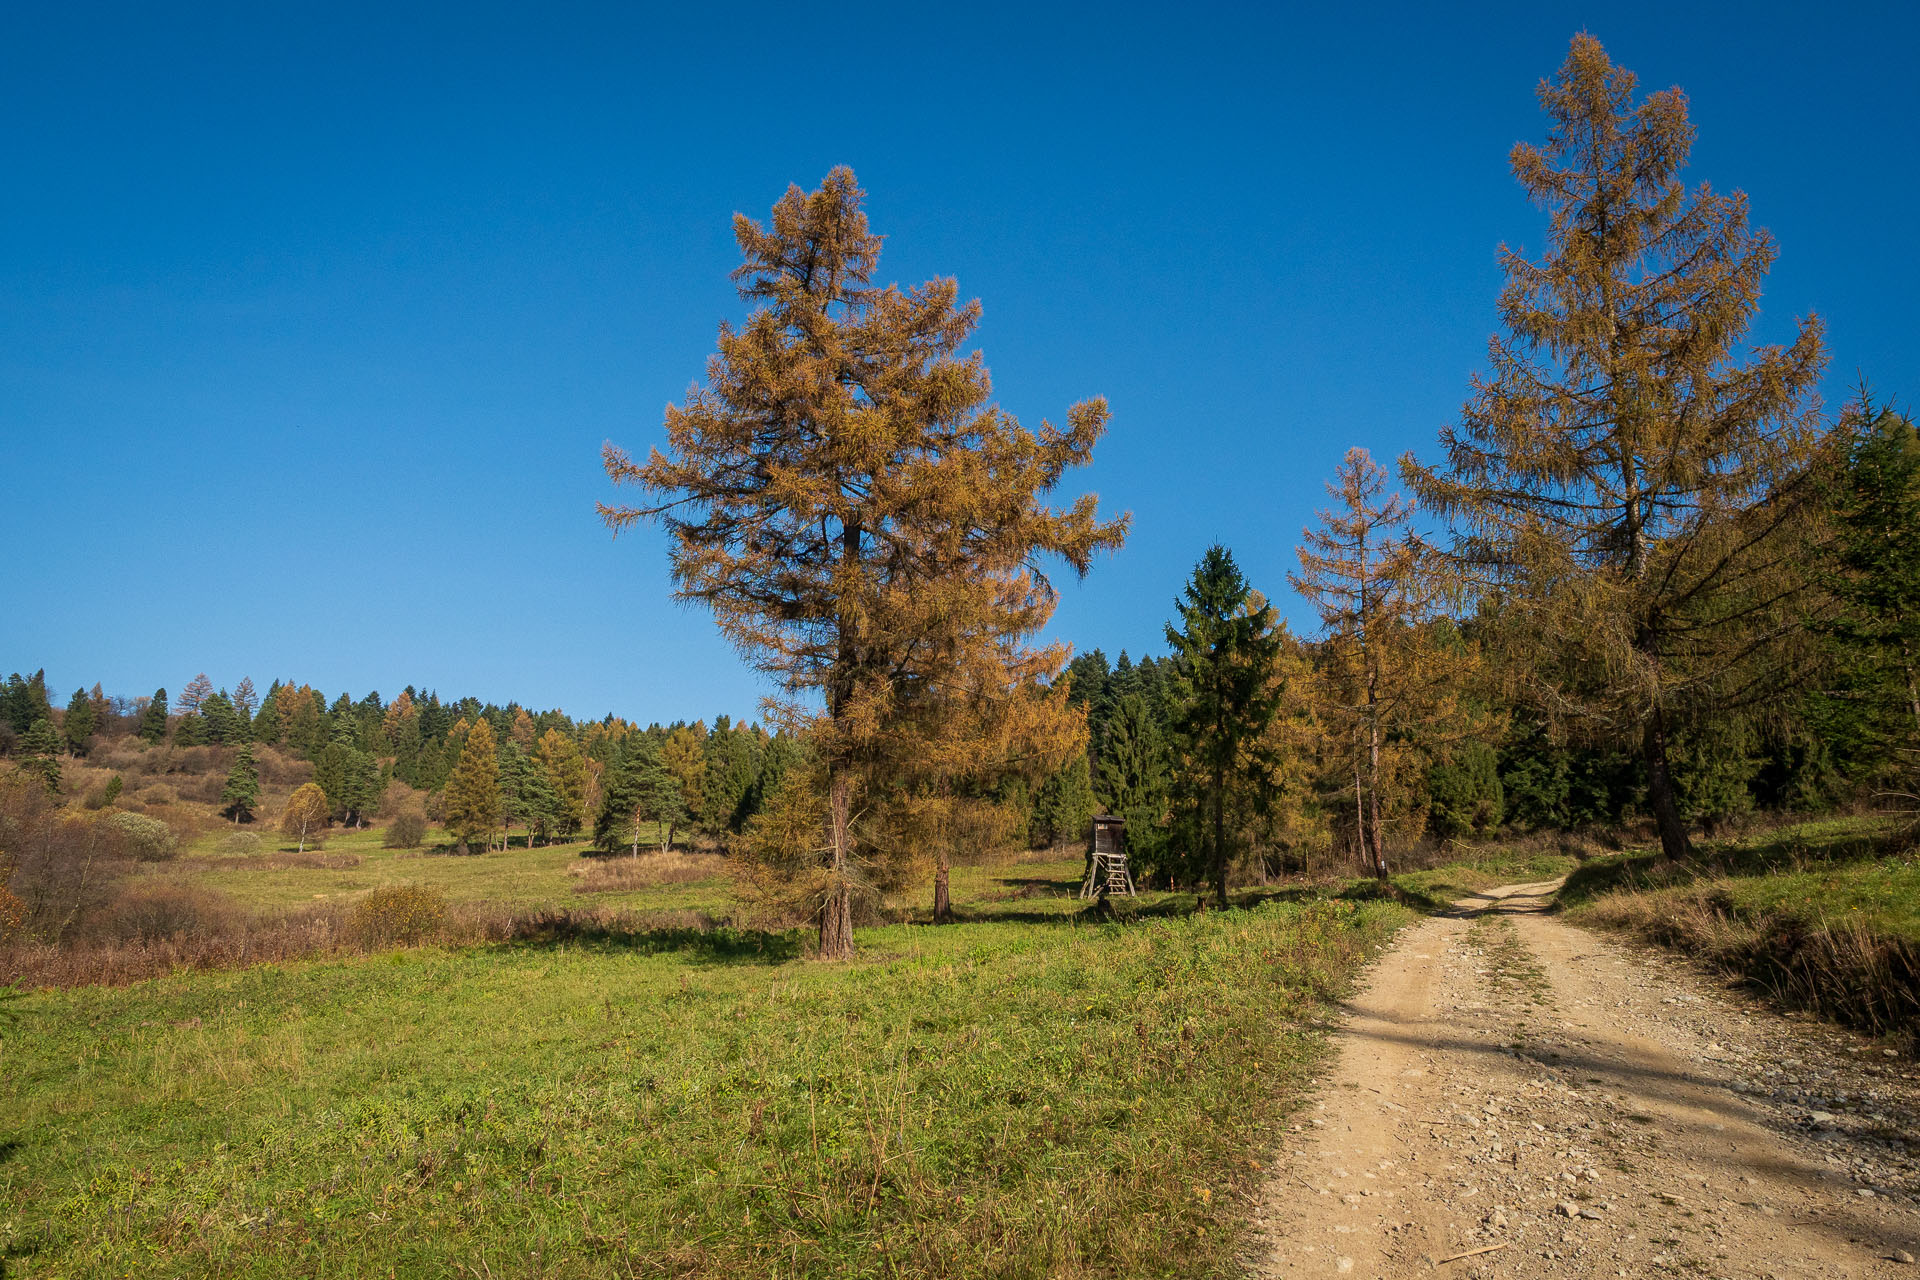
699 944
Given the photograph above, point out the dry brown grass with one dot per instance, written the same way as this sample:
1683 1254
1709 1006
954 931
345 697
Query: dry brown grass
203 936
1842 969
648 871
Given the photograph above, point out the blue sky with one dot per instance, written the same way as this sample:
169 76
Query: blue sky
313 318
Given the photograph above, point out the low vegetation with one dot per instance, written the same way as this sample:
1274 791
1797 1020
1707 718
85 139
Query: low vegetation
1819 915
1023 1094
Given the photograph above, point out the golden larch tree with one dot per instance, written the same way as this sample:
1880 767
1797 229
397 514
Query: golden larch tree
1620 480
471 801
825 489
568 774
1370 579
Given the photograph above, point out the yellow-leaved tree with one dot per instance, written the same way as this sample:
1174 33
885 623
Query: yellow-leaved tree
1624 483
840 494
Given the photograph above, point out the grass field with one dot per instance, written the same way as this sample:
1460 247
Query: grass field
516 878
1023 1094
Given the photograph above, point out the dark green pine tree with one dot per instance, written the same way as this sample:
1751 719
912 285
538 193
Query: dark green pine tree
78 727
242 791
516 773
1224 651
190 730
349 776
1870 710
224 726
1064 805
153 719
42 750
635 790
266 721
1134 782
24 700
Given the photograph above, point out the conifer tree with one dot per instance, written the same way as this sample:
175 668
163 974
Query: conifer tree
637 789
245 699
198 690
1224 654
266 726
1368 577
78 726
471 802
1868 709
1133 779
684 756
242 791
828 488
523 731
566 773
103 718
1623 478
153 718
515 772
306 813
41 751
224 725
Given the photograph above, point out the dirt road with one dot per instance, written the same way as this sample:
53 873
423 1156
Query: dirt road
1548 1102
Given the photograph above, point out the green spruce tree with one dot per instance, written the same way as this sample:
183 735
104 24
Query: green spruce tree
153 718
242 791
78 727
1224 654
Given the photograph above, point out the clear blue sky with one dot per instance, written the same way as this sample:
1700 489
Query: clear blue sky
313 317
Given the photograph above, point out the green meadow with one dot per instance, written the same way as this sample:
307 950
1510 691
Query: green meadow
1025 1093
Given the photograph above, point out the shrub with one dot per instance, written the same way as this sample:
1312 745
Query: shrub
142 838
625 874
398 913
407 831
162 911
158 793
240 844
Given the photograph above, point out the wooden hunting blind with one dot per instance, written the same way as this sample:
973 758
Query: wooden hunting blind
1107 864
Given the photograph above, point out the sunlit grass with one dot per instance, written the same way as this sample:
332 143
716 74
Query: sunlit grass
1025 1094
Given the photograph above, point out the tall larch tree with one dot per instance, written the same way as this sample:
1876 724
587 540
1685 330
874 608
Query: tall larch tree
1622 478
566 773
471 802
245 700
1225 651
1368 577
198 690
816 488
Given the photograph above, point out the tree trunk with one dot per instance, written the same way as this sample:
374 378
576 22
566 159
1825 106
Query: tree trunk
1359 815
1373 802
666 843
942 902
836 913
1666 813
1220 838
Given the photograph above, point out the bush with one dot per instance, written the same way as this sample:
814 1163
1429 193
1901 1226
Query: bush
240 844
408 831
142 838
158 793
163 911
398 913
